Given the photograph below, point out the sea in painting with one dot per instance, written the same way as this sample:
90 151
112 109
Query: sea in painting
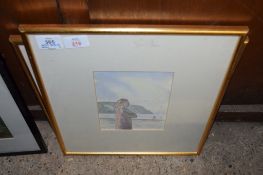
132 100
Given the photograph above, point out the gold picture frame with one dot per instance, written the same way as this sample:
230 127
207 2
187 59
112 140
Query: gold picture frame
240 31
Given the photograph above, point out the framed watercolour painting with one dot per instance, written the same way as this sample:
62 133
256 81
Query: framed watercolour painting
23 59
18 132
133 89
132 100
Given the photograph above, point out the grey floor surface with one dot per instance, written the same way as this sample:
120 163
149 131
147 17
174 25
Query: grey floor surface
232 148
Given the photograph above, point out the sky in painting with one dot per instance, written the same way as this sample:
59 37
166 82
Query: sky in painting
148 89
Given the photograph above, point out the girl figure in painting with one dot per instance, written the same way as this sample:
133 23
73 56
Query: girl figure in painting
123 116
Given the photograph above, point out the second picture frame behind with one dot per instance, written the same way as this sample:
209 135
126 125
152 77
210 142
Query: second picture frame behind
24 60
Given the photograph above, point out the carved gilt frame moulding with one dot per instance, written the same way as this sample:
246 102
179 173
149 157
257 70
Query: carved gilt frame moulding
199 60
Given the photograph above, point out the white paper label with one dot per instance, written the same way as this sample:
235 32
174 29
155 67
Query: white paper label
49 42
76 41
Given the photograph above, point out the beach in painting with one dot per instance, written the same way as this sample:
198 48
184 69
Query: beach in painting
132 100
107 121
